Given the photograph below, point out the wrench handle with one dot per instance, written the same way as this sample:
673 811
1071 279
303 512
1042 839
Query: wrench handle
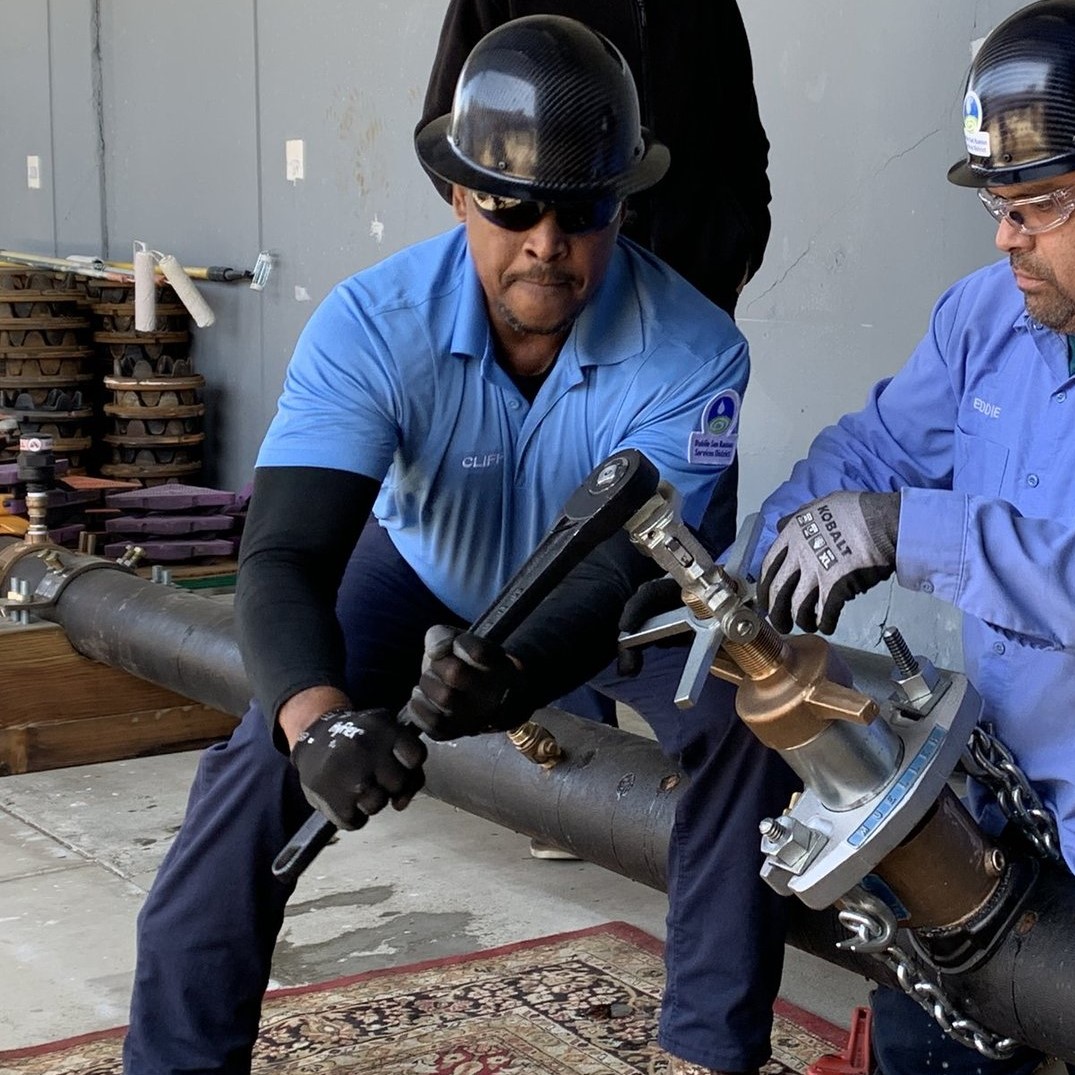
603 503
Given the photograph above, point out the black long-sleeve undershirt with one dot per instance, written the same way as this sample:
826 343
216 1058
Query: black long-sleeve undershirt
301 529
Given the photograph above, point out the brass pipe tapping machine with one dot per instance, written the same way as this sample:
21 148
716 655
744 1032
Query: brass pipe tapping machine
876 831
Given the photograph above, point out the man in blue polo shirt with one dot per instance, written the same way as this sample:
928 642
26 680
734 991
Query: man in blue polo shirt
957 474
461 390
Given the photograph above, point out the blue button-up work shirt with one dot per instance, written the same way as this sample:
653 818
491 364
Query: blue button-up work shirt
978 432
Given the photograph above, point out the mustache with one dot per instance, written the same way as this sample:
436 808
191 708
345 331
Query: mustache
1028 267
548 277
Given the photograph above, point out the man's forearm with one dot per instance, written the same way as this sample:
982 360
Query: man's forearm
291 563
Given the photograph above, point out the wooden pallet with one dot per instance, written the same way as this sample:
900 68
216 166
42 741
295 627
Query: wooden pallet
60 708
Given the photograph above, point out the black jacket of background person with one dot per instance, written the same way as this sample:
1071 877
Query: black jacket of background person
709 216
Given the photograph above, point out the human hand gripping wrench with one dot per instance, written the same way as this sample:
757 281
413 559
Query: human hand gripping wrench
605 501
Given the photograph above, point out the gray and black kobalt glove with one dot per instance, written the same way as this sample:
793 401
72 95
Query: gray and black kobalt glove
826 553
352 763
468 686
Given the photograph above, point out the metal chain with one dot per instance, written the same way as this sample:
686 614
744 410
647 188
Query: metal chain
873 928
996 768
874 937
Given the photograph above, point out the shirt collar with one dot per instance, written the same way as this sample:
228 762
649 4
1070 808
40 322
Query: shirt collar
610 328
470 333
1051 345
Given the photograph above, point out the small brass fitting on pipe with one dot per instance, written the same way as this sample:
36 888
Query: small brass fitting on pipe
536 743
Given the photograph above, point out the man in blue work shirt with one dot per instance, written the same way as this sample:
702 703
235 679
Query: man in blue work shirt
957 473
461 390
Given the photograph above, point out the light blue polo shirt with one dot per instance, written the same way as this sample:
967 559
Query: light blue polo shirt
978 431
395 377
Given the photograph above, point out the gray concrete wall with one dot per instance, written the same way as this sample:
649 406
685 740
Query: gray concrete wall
166 123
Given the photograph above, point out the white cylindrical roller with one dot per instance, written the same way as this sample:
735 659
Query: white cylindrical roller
188 294
145 292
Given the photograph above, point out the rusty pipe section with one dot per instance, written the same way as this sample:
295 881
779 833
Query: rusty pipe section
183 642
612 800
966 868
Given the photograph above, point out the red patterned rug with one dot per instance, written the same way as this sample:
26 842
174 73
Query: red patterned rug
582 1003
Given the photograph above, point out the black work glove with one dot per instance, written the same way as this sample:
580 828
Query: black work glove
353 763
649 600
468 686
826 553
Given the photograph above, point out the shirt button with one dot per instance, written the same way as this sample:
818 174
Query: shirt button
1032 480
513 404
927 587
1061 396
998 647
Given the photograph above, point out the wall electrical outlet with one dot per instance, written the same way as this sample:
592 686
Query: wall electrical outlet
295 154
33 172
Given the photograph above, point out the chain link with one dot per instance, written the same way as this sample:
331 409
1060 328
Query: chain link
994 766
948 1017
871 931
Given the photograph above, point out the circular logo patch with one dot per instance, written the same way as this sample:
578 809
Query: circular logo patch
972 113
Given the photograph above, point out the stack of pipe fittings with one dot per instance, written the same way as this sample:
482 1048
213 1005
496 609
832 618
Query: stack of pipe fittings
45 364
154 418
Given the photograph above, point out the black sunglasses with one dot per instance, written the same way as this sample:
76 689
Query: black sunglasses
573 218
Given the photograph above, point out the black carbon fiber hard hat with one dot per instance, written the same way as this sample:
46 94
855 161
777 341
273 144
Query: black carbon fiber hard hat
1019 106
545 109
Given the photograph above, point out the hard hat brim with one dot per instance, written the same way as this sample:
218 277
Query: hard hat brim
437 154
963 175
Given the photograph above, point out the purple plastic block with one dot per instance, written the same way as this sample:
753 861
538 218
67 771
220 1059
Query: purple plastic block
170 498
66 535
173 551
169 525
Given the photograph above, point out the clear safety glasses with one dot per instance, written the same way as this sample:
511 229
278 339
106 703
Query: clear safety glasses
1033 215
574 218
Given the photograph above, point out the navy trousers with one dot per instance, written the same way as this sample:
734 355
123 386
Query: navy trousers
908 1041
209 925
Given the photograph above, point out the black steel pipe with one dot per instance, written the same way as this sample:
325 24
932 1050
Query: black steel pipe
166 635
1027 986
611 800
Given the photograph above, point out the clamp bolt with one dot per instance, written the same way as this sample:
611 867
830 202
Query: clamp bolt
905 661
131 555
916 679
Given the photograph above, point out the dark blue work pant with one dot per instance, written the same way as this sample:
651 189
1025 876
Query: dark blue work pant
908 1041
207 930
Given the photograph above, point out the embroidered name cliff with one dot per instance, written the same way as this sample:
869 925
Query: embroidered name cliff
480 462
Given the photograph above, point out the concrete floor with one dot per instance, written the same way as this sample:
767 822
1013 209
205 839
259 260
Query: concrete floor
79 848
